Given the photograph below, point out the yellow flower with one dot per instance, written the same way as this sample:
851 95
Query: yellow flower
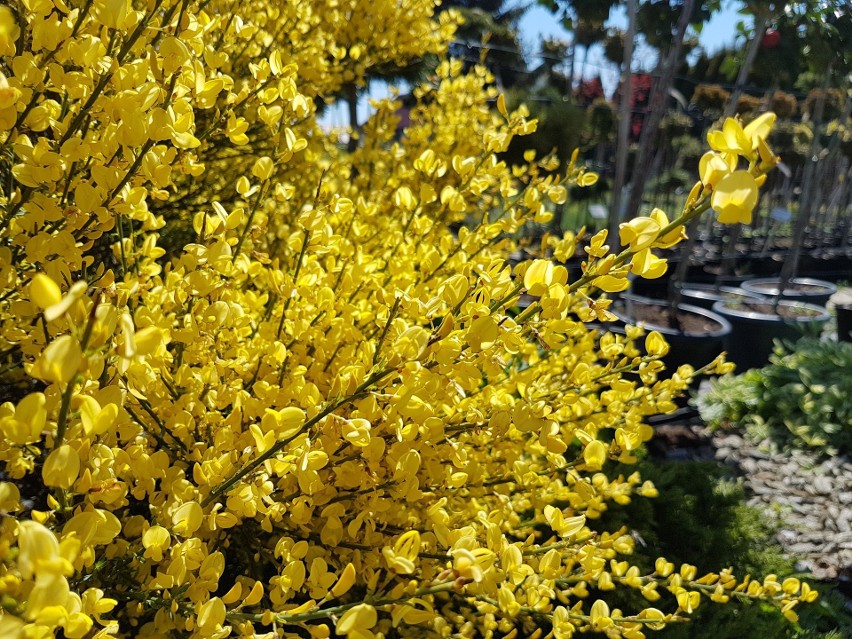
734 140
357 621
263 168
595 454
211 616
356 431
613 282
60 361
234 390
714 166
599 615
95 526
655 344
541 274
731 139
97 420
735 197
38 549
596 247
562 526
25 422
639 233
10 497
401 557
672 237
759 128
647 265
61 467
187 519
156 541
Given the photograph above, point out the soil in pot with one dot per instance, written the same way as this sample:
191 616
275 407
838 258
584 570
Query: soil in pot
769 288
790 312
799 289
660 316
705 295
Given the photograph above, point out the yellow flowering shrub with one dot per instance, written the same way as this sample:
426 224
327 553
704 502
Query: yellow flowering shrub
323 414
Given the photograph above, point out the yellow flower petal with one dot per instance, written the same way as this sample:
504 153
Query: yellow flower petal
594 454
61 467
735 197
358 618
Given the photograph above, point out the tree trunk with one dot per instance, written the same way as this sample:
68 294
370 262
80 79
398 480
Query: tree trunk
760 20
836 177
624 117
352 103
791 263
656 110
583 65
572 52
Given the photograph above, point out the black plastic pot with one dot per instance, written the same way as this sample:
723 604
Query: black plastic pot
753 333
829 267
696 349
844 323
705 295
768 286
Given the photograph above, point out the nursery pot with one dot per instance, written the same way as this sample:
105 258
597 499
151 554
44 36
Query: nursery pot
844 323
800 289
704 337
705 295
755 327
843 314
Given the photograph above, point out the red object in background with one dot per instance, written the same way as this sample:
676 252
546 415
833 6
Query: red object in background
771 39
640 95
589 91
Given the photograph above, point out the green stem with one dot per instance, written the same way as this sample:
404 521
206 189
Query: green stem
62 419
324 613
138 420
65 405
296 272
393 312
254 206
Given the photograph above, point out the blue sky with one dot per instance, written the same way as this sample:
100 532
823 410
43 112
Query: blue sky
719 32
538 23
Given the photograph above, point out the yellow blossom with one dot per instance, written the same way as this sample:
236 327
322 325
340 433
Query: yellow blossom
735 197
61 467
639 233
254 350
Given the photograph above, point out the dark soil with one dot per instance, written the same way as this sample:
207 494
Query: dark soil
659 316
792 287
793 311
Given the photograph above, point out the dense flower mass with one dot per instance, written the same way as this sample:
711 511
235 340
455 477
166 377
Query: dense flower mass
260 386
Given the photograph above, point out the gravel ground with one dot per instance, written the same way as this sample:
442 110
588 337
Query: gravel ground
807 496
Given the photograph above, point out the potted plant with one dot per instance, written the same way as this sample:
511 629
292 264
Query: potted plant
706 295
756 325
800 289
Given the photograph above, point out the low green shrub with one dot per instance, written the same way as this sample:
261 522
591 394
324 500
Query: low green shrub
701 517
800 399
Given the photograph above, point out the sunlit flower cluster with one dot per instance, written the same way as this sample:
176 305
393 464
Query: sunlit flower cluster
735 190
259 386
